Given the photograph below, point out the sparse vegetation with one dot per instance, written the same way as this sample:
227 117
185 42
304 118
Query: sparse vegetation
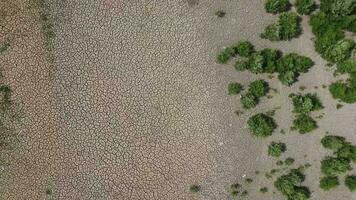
329 182
290 185
277 6
304 124
305 7
276 149
333 142
261 125
256 90
286 28
350 182
195 188
289 161
234 88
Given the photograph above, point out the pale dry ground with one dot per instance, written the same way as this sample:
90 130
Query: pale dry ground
135 107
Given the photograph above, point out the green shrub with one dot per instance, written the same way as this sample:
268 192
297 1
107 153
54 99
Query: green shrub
340 51
294 62
241 65
277 6
350 182
258 88
194 188
304 124
234 88
225 55
347 151
288 77
333 142
343 92
305 7
306 103
264 61
289 161
347 66
248 101
329 182
261 125
276 149
243 48
256 63
331 166
286 28
337 8
290 186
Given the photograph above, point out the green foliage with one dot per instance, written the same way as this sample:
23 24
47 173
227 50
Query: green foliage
264 61
261 125
304 124
329 182
338 8
277 6
248 101
234 88
350 182
340 51
306 103
243 48
286 28
347 66
288 77
195 188
276 149
333 142
343 91
305 7
332 166
290 186
258 88
225 55
289 161
347 151
241 65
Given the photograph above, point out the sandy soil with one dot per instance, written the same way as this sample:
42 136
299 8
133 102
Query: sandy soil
134 106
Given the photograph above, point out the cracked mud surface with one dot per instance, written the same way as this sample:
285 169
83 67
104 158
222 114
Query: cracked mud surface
134 106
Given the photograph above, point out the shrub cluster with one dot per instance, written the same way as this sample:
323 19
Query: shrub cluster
256 90
242 48
330 42
289 66
290 185
261 125
234 88
277 6
276 149
345 152
286 28
305 7
350 182
303 105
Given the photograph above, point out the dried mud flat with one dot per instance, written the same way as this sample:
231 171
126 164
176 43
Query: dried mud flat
134 106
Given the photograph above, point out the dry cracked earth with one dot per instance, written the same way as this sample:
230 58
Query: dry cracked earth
128 102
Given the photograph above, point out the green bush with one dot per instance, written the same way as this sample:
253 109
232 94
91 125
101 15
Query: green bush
225 55
347 151
248 101
331 166
258 88
277 6
333 142
347 66
304 124
294 62
338 8
286 28
241 65
264 61
276 149
306 103
350 182
290 186
329 182
256 63
234 88
340 51
261 125
243 48
288 77
305 7
289 161
343 92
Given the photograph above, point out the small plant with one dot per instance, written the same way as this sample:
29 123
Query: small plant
304 124
276 149
244 48
225 55
258 88
290 185
338 106
305 7
248 101
289 161
195 188
350 182
241 65
333 142
329 182
347 151
261 125
306 103
220 13
249 180
286 28
234 88
264 190
234 189
277 6
332 166
244 193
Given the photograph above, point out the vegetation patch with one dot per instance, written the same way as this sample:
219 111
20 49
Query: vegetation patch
234 88
195 188
220 13
305 7
256 90
350 182
286 28
276 149
277 6
305 104
333 142
332 166
304 124
290 185
289 161
329 182
261 125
